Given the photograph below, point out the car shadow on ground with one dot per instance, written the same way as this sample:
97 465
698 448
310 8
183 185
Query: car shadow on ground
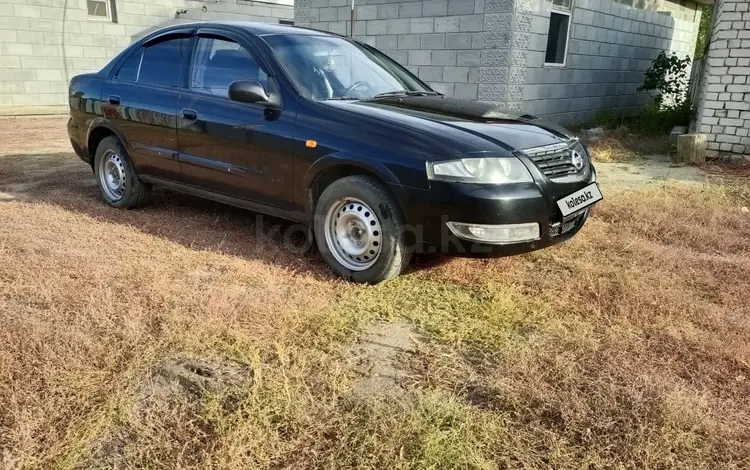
61 179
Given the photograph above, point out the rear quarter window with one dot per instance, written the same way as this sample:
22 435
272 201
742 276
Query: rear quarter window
128 71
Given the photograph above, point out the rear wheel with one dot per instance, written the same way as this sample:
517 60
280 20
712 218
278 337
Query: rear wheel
359 230
117 179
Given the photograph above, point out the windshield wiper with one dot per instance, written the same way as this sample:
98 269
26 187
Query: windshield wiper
408 93
346 98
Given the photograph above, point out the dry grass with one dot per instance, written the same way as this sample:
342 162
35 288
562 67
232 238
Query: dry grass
740 170
627 347
620 146
20 135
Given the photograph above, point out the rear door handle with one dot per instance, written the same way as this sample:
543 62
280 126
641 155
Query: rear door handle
114 99
190 114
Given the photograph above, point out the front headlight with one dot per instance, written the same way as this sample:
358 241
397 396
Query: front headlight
480 170
578 147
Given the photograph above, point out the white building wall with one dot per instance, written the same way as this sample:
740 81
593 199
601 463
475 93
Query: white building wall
724 105
610 48
43 43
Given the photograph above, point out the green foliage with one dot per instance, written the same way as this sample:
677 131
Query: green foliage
671 106
704 31
608 120
667 75
658 119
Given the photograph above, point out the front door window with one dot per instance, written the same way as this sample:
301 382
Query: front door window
218 63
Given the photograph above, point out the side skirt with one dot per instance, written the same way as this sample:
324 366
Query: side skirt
295 216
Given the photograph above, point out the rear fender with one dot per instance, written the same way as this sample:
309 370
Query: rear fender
103 122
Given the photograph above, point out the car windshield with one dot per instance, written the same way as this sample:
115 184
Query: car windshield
325 68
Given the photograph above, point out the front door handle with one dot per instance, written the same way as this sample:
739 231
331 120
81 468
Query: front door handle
190 114
114 99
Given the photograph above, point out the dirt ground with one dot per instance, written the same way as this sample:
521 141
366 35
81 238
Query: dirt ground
191 335
33 135
654 169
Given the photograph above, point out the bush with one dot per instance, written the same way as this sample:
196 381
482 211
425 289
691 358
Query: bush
704 32
671 106
668 75
659 119
608 120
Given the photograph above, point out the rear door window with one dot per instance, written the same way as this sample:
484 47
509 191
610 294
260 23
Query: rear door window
162 62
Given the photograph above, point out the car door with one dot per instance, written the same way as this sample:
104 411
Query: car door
141 101
243 150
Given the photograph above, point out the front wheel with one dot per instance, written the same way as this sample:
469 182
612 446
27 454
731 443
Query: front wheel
359 230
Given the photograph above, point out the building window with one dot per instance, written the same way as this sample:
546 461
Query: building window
557 36
562 3
99 9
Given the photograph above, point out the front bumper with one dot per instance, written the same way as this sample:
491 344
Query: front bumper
428 212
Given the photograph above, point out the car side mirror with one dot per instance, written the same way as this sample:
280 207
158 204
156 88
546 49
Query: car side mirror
252 91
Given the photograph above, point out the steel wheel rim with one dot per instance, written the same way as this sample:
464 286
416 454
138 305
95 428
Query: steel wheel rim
112 175
353 234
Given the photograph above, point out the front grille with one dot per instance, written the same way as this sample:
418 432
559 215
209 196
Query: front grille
555 160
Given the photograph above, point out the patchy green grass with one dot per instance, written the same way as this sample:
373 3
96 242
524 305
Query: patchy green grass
626 347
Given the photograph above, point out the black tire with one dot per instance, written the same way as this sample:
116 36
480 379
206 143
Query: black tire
134 193
395 252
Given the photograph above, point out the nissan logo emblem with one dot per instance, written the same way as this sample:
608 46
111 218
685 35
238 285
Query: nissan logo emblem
576 159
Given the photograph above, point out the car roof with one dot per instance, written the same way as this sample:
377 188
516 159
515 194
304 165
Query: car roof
263 29
260 29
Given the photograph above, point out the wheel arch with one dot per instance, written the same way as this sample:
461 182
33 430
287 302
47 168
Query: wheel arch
329 169
99 129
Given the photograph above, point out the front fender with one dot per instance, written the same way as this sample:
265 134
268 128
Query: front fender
379 170
333 160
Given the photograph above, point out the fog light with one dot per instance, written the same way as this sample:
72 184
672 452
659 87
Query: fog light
496 234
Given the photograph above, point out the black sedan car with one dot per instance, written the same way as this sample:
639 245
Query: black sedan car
324 130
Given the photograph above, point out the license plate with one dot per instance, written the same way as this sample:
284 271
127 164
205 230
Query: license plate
580 199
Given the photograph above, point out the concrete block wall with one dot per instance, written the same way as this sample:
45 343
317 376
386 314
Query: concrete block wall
685 11
493 50
43 43
724 101
611 46
677 9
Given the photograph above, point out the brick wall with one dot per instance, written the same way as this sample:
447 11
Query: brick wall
43 43
724 103
611 46
494 49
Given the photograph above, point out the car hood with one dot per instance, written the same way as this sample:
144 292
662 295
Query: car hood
463 125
